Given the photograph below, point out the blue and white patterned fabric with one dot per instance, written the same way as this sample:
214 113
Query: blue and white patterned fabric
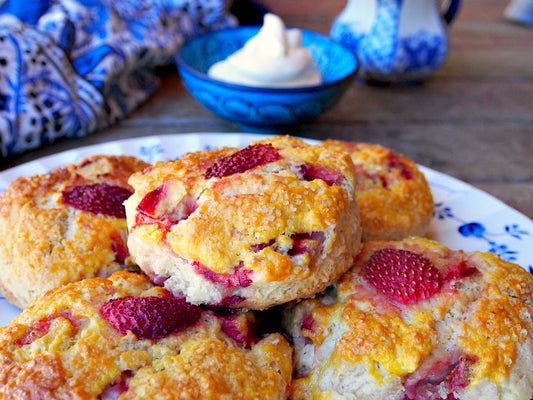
71 67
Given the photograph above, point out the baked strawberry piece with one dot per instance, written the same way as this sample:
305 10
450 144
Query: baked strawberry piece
150 317
243 160
63 226
402 275
395 199
247 227
123 338
98 198
414 320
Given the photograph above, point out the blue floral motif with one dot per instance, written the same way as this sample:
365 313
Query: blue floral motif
378 48
442 212
472 229
150 153
477 230
530 269
343 33
422 52
515 231
503 251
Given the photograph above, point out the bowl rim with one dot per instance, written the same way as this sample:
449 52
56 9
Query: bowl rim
181 64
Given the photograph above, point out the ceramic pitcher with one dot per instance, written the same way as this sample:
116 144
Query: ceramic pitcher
396 40
520 11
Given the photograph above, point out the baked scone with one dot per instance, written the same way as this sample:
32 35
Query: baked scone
246 228
395 200
123 338
415 320
64 226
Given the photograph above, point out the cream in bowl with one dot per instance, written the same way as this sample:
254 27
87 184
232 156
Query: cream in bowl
275 57
274 107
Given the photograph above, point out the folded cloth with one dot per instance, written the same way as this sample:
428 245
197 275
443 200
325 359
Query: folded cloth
71 67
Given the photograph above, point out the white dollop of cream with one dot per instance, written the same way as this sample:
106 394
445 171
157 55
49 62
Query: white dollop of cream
275 57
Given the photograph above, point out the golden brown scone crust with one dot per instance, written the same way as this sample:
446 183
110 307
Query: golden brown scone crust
395 200
474 337
46 243
81 356
234 249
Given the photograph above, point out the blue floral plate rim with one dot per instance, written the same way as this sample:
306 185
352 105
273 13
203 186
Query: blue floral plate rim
465 217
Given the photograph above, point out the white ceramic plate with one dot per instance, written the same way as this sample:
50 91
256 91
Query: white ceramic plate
465 217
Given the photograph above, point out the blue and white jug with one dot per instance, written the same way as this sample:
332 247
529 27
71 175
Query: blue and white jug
396 40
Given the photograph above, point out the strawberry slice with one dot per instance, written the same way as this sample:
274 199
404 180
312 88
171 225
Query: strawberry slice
240 327
243 160
257 247
396 162
240 277
460 376
328 174
459 270
402 275
229 301
150 201
43 326
445 375
148 213
118 244
98 198
308 322
116 388
150 317
306 242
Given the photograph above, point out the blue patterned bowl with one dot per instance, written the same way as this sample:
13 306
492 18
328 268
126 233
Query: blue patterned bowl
264 109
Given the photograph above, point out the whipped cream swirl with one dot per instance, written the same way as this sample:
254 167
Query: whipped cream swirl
275 57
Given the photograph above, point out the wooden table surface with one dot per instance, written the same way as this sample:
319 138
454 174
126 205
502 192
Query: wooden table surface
472 120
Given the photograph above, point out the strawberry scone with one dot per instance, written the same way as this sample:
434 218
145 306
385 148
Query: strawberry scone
246 228
64 226
395 200
123 338
415 320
